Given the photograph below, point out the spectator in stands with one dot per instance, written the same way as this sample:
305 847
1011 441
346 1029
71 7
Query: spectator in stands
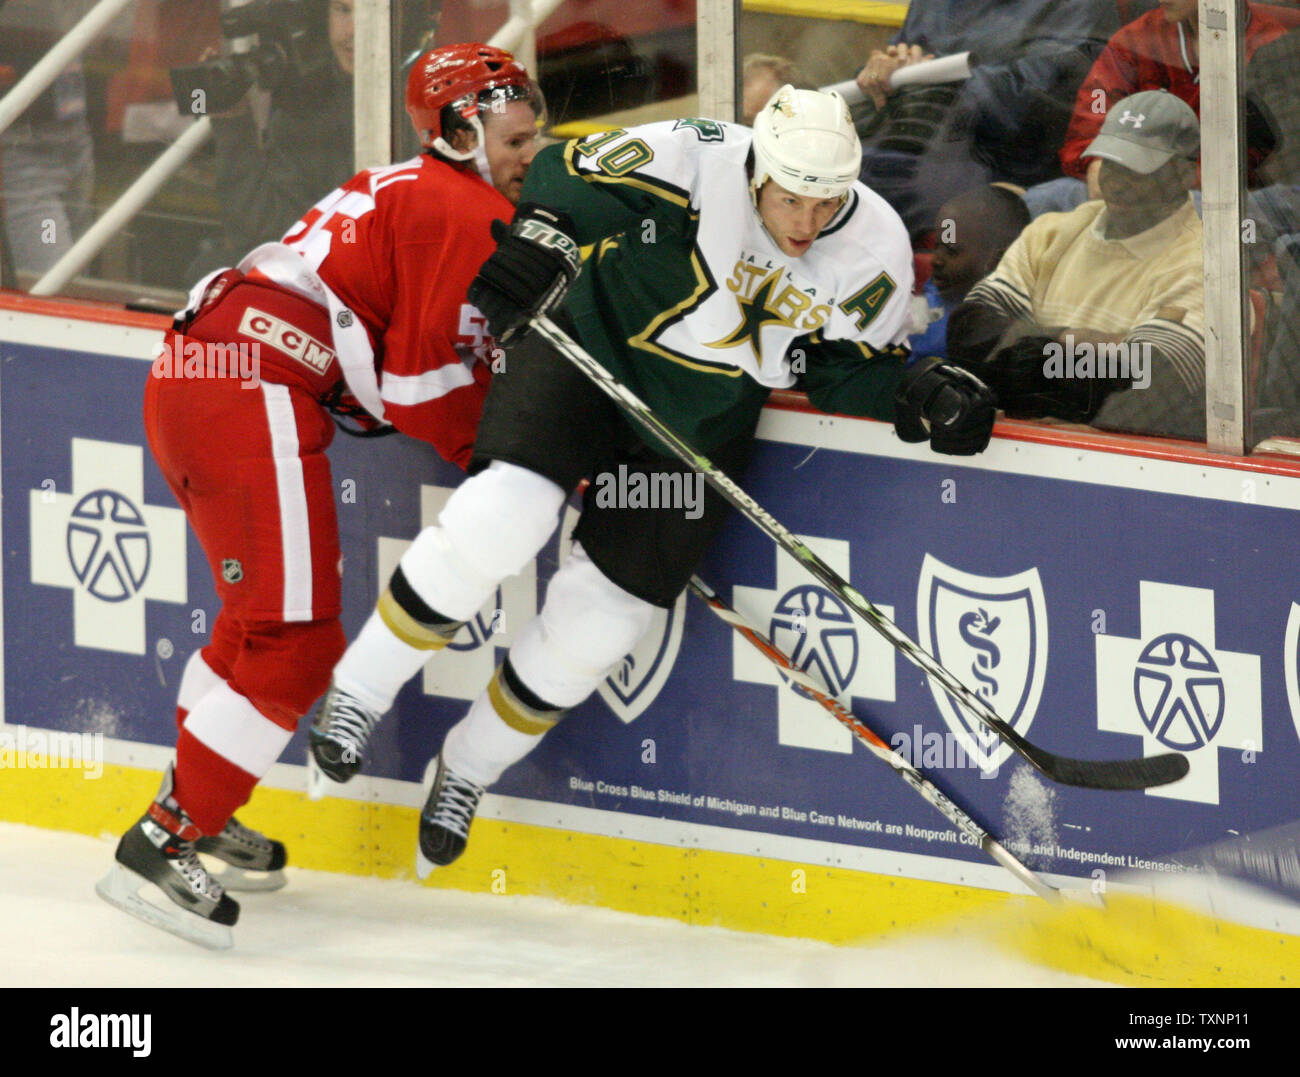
1096 315
47 152
761 76
973 232
1273 128
305 150
1273 124
1154 52
924 144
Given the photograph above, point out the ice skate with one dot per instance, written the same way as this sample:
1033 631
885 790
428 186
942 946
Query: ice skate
252 861
444 823
159 878
340 731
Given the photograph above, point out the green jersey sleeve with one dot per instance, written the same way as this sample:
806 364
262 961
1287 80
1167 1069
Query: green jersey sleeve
850 377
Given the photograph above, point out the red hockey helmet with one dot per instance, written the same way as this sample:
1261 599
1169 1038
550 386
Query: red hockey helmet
463 77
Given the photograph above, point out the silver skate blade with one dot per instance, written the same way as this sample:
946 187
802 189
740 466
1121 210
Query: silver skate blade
319 784
423 865
241 880
121 887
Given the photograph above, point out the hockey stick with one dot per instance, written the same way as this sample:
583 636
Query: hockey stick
873 743
1092 774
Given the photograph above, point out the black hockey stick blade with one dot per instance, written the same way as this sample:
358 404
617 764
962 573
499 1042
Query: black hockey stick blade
1109 773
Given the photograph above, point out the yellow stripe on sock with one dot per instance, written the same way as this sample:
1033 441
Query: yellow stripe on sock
407 628
516 714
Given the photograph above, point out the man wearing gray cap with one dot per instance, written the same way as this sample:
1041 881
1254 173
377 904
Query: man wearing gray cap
1096 315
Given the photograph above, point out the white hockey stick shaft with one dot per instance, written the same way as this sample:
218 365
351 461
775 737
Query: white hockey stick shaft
905 770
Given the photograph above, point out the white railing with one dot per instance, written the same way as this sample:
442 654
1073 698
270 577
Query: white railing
128 204
67 49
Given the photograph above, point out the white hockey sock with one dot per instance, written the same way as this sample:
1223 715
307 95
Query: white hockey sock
493 524
491 527
480 746
197 681
377 664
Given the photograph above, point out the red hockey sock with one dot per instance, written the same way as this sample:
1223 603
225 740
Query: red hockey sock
209 787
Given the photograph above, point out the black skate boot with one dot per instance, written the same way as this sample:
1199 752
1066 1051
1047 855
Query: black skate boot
252 860
159 850
340 731
444 822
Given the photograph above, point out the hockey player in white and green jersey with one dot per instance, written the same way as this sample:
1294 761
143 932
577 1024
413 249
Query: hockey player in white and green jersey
694 304
703 265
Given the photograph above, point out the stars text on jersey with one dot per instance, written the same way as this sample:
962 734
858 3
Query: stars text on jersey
767 296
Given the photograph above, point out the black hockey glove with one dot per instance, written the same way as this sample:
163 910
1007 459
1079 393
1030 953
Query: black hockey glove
530 271
946 404
1019 375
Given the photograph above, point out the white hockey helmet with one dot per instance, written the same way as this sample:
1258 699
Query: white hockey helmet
806 142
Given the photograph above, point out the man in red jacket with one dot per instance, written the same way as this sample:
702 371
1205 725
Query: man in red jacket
361 308
1154 52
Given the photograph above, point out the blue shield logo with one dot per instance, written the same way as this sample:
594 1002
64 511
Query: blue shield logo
639 677
990 632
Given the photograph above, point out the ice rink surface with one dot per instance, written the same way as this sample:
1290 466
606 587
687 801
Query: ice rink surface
326 930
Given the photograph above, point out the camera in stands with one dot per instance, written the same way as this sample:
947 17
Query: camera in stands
271 44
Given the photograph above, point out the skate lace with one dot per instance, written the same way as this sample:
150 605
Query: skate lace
350 723
196 875
457 802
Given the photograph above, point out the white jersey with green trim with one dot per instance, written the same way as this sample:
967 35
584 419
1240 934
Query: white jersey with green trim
752 303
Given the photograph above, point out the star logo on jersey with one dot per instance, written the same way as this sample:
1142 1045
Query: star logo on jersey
821 636
107 546
1177 690
755 312
478 640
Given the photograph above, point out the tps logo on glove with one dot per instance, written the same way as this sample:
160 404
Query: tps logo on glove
536 231
530 272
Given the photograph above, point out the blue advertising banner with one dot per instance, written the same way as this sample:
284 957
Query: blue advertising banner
1105 605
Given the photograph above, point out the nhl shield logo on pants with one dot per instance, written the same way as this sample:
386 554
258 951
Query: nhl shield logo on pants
991 633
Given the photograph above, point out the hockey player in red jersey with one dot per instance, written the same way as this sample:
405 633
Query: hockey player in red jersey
362 304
